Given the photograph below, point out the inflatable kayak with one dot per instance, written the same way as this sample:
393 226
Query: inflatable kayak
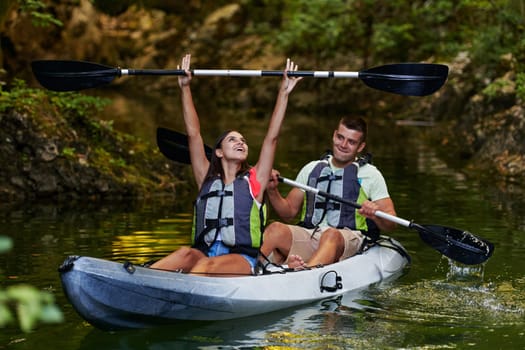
116 295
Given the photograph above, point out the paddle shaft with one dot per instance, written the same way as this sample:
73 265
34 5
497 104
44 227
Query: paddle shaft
242 73
327 195
409 79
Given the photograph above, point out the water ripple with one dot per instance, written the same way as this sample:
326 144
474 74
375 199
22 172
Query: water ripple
459 299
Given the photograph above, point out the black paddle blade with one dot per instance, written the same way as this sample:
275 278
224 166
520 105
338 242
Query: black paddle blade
458 245
410 79
174 145
72 75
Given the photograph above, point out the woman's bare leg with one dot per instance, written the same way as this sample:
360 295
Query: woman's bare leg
227 265
183 259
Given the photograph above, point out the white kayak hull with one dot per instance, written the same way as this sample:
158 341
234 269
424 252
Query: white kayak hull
113 295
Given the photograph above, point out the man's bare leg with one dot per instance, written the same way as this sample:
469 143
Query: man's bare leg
331 247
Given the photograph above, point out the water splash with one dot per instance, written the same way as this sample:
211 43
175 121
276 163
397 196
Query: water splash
463 297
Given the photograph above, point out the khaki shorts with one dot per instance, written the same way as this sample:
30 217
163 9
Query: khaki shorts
305 244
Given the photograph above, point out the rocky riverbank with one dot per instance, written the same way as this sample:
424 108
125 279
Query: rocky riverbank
56 157
481 120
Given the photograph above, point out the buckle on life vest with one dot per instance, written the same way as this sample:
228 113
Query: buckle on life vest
217 223
327 205
223 222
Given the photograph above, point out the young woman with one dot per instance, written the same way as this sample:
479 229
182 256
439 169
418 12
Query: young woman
229 212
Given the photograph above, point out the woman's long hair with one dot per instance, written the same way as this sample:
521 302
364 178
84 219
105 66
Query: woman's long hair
216 168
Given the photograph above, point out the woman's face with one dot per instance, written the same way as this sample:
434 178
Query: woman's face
233 147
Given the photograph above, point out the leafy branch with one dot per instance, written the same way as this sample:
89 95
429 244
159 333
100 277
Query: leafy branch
37 10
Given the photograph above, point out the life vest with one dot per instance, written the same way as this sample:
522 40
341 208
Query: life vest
340 182
229 213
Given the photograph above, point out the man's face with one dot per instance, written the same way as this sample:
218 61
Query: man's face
347 144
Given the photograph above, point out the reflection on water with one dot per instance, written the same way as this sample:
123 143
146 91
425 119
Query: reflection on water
143 245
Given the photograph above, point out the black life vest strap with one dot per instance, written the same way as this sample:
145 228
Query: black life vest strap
329 177
217 223
217 193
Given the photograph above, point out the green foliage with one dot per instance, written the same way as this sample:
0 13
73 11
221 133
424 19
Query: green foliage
303 31
25 303
19 97
387 38
499 31
496 88
69 152
36 8
486 46
394 30
74 102
106 161
28 100
30 306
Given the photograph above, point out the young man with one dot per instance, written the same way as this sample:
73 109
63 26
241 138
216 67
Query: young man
329 231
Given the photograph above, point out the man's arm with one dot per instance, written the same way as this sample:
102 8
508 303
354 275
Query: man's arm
287 207
377 190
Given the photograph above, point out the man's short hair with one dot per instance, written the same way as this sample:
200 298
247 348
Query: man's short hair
355 123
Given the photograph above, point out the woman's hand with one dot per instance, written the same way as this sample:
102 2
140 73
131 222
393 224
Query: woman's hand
288 83
184 80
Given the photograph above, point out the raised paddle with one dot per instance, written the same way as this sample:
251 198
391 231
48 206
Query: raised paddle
458 245
411 79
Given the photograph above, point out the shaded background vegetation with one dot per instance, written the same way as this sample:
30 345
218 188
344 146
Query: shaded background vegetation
479 112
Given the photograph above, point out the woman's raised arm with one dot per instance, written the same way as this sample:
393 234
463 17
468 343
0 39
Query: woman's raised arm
265 163
199 162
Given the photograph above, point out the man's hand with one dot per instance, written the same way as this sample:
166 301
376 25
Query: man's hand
274 181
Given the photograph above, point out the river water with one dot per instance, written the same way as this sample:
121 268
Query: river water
435 304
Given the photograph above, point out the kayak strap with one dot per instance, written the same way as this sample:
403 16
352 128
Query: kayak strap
269 267
331 282
387 242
